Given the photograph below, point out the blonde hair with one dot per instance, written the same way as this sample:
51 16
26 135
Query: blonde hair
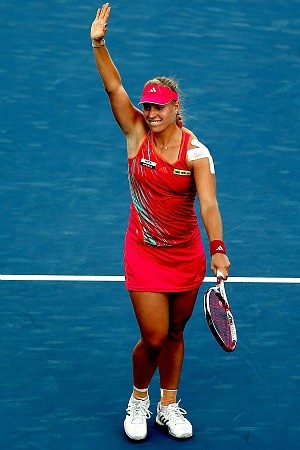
165 81
172 84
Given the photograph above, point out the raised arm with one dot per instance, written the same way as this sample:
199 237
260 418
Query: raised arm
127 115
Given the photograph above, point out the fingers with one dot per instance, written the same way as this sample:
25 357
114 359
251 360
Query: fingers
99 26
220 262
104 12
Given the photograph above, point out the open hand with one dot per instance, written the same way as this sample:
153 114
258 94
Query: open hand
99 26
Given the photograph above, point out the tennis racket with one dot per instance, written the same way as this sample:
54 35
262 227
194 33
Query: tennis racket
219 316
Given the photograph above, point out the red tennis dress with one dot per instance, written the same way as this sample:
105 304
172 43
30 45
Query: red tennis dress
163 247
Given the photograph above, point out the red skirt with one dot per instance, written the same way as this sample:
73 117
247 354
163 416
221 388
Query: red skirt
150 268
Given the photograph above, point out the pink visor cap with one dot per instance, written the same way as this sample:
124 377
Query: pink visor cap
158 94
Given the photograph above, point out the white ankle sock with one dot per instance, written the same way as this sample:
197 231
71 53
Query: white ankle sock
165 397
140 391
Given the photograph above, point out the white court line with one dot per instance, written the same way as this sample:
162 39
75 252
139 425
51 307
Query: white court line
102 278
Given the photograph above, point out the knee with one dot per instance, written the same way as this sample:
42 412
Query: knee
176 330
154 342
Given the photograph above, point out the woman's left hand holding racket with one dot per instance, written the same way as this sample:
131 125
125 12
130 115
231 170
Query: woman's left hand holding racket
220 261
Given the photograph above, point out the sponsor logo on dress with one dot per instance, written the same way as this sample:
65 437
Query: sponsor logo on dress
184 173
148 163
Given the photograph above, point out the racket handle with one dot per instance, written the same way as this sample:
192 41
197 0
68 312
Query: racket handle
219 274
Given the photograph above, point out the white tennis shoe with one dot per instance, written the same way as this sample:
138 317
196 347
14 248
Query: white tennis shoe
135 423
172 417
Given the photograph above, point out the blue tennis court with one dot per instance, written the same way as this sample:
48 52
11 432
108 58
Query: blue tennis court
65 371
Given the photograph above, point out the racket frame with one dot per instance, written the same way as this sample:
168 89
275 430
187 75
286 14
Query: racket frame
219 289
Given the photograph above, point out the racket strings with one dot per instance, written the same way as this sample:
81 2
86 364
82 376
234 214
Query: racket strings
218 312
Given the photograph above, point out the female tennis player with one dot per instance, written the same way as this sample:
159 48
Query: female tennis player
164 257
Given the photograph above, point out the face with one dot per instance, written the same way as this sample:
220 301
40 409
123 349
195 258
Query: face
159 117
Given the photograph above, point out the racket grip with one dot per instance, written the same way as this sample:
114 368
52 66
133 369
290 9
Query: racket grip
219 274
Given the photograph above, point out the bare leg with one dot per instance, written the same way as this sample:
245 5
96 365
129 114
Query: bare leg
171 356
152 313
